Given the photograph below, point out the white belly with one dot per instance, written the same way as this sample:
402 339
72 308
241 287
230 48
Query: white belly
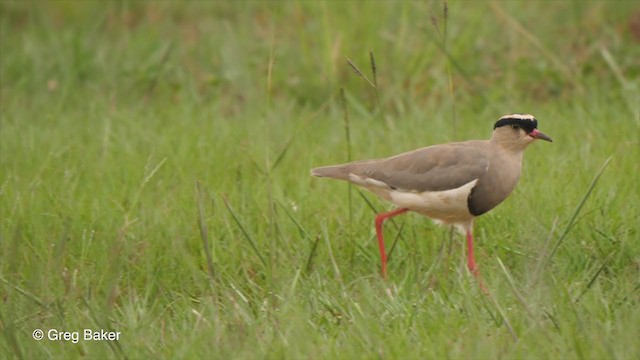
448 206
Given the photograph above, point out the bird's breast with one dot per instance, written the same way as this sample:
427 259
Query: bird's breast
495 186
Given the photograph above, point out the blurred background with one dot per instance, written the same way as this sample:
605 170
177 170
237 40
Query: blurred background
154 162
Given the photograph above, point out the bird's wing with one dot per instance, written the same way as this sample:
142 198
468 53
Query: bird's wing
434 168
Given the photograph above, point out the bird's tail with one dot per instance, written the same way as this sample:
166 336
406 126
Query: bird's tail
332 171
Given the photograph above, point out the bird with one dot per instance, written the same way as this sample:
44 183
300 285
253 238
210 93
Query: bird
450 183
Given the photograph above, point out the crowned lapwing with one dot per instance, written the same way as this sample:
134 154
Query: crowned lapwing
450 183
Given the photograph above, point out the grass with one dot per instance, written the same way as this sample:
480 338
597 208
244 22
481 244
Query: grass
154 179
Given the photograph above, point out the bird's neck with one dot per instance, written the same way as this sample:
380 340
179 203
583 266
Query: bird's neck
509 154
514 148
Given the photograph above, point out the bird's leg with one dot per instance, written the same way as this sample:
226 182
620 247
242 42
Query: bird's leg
471 261
471 264
379 220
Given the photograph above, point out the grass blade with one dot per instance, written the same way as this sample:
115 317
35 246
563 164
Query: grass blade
541 262
244 232
595 276
501 312
9 332
443 39
369 203
374 72
359 73
282 153
347 133
161 66
452 62
512 284
203 233
576 212
301 230
395 241
295 134
312 254
115 346
25 293
333 259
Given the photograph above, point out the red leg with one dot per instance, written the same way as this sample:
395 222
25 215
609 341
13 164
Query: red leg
379 220
471 261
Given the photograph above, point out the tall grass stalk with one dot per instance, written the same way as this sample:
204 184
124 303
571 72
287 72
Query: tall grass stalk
576 212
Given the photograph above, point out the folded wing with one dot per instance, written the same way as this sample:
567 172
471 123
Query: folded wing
434 168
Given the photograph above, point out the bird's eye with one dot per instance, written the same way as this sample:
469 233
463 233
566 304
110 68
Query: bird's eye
515 127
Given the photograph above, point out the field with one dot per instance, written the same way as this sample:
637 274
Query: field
154 179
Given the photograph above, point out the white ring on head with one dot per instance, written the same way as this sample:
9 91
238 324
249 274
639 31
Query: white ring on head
519 116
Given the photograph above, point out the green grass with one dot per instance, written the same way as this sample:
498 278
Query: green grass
154 179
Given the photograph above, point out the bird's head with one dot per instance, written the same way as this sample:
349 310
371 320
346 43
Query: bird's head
517 131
